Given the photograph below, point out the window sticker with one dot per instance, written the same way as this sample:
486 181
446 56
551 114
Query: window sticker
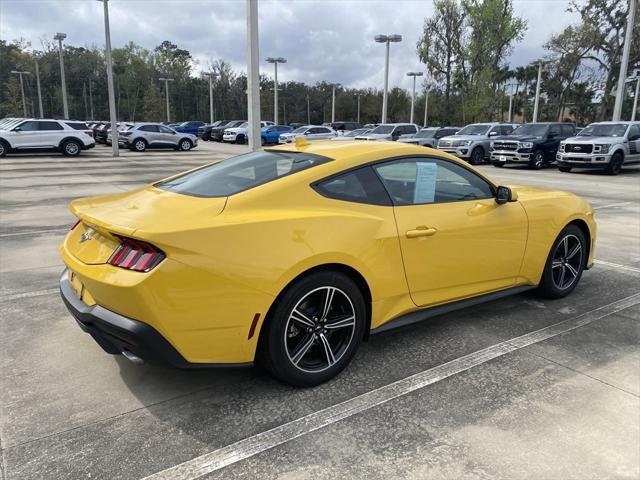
426 176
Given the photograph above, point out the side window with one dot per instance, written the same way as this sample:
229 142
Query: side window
29 126
313 130
428 180
506 129
410 129
281 129
361 186
634 132
78 125
443 132
554 130
163 129
149 128
50 126
495 131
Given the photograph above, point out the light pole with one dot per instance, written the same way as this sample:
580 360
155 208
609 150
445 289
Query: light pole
211 76
308 111
166 93
35 60
386 39
413 92
635 99
60 37
617 107
112 95
275 61
333 104
359 95
24 102
510 85
426 104
537 98
253 76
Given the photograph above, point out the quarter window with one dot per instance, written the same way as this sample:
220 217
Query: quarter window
361 186
428 180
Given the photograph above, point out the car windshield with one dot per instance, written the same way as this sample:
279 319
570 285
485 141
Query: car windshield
531 129
604 130
426 133
241 173
244 125
477 129
383 129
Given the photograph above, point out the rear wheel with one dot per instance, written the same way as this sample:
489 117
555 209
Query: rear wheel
615 164
498 164
314 330
564 169
565 263
206 136
71 148
3 149
185 145
240 139
139 145
477 156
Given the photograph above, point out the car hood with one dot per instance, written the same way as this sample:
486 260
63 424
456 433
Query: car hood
517 138
594 140
236 129
464 137
147 212
413 139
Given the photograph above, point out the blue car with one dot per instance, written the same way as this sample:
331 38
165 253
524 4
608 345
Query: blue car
272 133
189 127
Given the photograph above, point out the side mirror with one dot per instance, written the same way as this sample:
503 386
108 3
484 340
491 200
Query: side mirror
505 194
17 129
493 134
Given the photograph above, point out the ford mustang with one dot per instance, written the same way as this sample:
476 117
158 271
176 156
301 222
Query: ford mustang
293 255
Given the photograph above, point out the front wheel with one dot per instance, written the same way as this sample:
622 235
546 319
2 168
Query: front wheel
565 263
3 149
477 156
498 164
314 330
185 145
564 169
139 145
537 160
206 136
615 164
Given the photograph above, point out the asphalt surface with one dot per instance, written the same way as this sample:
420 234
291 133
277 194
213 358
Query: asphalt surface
469 395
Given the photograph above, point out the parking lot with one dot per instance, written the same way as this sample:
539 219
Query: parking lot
472 394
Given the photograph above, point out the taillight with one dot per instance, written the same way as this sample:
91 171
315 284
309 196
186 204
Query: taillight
89 132
136 255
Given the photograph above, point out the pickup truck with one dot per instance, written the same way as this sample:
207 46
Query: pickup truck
603 145
532 144
472 142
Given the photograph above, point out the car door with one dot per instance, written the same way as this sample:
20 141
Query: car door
26 135
51 132
166 136
407 131
456 241
633 139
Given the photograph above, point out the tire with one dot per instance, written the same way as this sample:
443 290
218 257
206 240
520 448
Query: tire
615 164
4 148
293 346
477 156
185 145
564 169
565 263
263 141
71 148
537 160
240 139
139 145
498 164
206 136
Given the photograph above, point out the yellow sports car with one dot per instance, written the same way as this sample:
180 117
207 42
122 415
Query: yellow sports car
295 254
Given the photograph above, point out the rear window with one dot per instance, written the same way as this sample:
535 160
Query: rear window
241 173
77 125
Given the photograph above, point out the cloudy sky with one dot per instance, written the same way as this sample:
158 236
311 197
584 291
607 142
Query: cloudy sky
322 40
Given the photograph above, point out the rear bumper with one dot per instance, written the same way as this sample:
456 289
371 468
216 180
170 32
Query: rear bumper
117 334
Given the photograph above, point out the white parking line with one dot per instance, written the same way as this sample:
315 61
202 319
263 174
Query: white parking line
37 293
35 232
618 265
612 205
261 442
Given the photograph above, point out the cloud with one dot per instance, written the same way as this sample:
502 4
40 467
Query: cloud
322 40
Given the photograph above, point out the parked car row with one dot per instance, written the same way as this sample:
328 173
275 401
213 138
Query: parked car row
70 137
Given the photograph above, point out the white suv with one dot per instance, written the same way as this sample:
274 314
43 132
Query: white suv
66 136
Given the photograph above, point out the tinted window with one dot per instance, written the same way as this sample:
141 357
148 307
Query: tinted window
50 126
506 129
634 132
163 129
28 126
409 129
361 185
241 173
554 130
427 180
149 128
567 130
77 125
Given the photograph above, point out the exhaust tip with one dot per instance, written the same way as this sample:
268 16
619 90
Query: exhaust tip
132 358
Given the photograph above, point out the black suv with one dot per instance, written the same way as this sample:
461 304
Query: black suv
534 144
204 132
343 126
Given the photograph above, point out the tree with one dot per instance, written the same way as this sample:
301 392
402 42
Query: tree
440 47
12 103
152 106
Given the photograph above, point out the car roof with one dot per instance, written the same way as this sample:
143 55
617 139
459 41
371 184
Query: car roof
611 122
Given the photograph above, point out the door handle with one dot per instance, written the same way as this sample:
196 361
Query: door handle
421 231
